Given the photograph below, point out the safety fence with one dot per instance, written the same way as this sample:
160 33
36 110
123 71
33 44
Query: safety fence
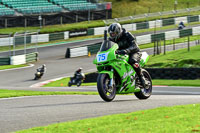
149 38
19 59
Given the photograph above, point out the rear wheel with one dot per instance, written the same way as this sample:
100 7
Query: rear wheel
145 93
106 92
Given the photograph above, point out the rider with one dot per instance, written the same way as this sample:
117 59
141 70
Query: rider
42 69
181 25
127 45
78 74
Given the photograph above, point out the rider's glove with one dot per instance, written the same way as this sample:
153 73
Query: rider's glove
123 52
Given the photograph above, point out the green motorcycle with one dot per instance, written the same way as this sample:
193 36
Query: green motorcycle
117 76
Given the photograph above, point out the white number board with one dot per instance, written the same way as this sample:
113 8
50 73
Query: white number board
102 57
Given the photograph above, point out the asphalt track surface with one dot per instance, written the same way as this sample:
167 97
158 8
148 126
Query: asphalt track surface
26 112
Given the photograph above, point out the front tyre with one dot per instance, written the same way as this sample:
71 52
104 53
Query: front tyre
145 93
69 84
107 93
79 83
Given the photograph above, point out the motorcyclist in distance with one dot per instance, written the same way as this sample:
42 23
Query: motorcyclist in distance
78 74
127 45
42 69
181 25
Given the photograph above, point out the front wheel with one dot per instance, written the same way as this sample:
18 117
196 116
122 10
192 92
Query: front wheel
106 92
145 93
79 83
69 84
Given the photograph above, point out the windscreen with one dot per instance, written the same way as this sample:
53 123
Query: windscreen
106 45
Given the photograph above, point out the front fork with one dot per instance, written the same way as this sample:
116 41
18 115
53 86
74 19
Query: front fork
111 79
111 82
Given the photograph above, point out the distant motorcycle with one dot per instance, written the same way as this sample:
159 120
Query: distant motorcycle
40 72
76 80
181 26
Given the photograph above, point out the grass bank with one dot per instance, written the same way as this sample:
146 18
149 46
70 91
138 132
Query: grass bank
134 7
164 119
179 59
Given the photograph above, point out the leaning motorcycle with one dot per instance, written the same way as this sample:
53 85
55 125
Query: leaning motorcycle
38 74
117 76
76 80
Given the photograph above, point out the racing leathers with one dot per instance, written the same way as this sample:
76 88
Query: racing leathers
127 45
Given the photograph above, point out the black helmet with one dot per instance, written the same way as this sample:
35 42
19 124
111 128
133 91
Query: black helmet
115 31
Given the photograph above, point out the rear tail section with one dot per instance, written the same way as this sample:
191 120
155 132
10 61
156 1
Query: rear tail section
144 59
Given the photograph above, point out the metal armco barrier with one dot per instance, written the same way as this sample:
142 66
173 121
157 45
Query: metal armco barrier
4 60
19 59
92 48
31 57
174 73
160 73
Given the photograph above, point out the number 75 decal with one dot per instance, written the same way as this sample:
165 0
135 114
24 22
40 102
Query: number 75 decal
102 57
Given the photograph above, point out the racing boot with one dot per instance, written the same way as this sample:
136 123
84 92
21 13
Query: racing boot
142 80
141 77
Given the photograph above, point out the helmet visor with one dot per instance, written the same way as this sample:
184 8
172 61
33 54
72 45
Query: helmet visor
113 34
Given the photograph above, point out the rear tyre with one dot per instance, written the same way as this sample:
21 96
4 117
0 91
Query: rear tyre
106 93
146 92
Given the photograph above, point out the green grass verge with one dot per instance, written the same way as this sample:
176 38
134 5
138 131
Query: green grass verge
64 82
18 93
11 66
176 82
179 59
182 119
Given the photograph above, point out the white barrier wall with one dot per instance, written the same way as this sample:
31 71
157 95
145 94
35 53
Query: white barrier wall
40 38
181 19
99 31
17 60
6 41
129 27
66 35
153 24
143 39
81 51
172 34
196 30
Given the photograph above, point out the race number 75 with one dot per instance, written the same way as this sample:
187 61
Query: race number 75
102 57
